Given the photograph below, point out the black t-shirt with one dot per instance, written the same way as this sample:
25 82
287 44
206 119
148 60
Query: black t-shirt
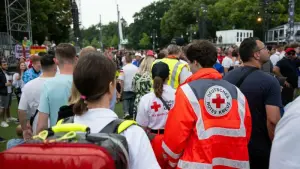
260 89
288 68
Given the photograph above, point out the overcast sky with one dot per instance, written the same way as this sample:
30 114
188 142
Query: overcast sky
91 9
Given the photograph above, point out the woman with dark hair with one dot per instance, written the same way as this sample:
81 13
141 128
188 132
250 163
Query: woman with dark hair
18 83
154 107
94 78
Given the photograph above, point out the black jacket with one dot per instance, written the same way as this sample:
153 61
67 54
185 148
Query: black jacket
3 88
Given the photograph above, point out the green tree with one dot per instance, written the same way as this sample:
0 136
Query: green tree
146 21
95 43
145 41
109 34
90 33
224 15
51 18
86 43
114 41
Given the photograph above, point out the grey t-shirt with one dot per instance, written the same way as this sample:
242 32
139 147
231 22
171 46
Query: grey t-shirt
267 67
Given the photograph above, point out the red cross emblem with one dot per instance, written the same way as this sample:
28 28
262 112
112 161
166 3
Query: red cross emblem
155 106
218 101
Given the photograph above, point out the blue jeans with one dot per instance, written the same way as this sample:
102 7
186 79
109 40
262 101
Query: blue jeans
128 102
14 142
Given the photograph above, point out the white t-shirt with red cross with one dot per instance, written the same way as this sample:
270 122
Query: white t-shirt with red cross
151 111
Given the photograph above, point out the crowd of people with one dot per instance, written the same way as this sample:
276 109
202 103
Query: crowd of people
202 106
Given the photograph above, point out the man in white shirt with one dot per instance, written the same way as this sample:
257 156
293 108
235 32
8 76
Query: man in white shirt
30 98
285 150
227 61
276 56
126 76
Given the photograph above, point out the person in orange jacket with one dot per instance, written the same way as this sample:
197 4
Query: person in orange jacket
210 123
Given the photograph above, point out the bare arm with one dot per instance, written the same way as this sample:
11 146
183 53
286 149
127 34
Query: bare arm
42 123
273 116
23 119
25 125
122 86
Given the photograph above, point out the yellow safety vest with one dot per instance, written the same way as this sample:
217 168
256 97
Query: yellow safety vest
175 67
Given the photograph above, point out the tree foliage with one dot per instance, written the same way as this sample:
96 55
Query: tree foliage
109 34
144 41
51 18
96 43
224 15
174 18
147 20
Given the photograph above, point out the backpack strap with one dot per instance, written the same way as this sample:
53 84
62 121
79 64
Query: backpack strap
241 80
165 103
66 120
118 126
33 117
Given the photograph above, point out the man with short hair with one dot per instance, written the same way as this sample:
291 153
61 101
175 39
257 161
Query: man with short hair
276 56
126 77
179 70
136 61
30 98
87 50
262 91
210 119
227 61
5 94
34 71
56 91
288 67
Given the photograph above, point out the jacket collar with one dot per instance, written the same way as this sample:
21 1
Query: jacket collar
204 73
36 72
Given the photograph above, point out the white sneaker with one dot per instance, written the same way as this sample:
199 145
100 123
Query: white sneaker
11 119
4 124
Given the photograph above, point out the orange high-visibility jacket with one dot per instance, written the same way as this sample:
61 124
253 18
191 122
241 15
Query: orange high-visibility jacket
209 126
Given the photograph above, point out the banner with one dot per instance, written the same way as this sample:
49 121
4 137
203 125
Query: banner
37 49
18 51
21 51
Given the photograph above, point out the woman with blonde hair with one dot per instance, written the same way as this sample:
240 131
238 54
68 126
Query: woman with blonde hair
142 81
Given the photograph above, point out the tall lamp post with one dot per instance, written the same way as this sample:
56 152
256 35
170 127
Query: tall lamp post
202 24
290 30
154 38
77 41
100 35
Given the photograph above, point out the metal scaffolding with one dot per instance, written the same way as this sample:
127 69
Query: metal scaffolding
18 18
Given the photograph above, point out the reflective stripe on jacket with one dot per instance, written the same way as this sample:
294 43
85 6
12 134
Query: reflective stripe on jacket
175 67
209 126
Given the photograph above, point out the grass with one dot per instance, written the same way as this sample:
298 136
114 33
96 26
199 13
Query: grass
10 132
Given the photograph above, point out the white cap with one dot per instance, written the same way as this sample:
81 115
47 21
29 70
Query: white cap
138 54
